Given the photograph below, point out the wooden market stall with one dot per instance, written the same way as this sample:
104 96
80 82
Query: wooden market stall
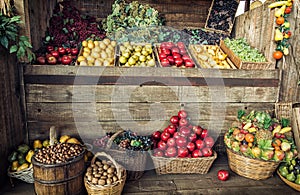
83 101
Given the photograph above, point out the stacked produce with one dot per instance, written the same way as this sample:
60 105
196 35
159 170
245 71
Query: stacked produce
260 136
128 141
204 36
222 14
176 55
282 31
244 51
182 139
211 56
129 15
291 170
20 159
102 173
67 27
136 55
57 55
97 53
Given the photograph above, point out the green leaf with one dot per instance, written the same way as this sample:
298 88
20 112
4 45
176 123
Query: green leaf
16 19
48 38
21 53
285 122
27 44
23 38
13 49
4 42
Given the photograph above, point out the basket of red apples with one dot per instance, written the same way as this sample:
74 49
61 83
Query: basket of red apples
182 147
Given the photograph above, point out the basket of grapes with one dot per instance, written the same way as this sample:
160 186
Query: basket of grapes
128 149
258 143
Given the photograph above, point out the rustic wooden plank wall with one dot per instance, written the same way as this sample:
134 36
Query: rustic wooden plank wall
290 91
12 130
39 13
258 26
179 14
86 105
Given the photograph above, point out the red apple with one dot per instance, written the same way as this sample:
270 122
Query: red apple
174 120
66 60
165 136
164 62
162 145
197 153
171 129
204 133
185 57
171 152
41 60
178 62
197 130
175 49
171 142
156 135
191 146
189 63
177 135
185 131
61 51
176 56
223 175
192 137
162 56
183 122
51 60
182 114
182 152
158 153
200 144
207 152
209 142
50 48
74 51
181 142
171 60
180 45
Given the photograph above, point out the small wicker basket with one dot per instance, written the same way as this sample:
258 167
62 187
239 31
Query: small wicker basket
251 168
289 183
134 164
24 175
183 165
113 189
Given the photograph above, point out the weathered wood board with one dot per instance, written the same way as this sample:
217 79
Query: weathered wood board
89 101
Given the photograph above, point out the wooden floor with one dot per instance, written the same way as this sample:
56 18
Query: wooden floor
151 183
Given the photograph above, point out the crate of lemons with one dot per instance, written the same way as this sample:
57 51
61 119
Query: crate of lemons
97 53
20 159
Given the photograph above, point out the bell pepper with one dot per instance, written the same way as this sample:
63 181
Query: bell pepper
280 11
278 35
29 156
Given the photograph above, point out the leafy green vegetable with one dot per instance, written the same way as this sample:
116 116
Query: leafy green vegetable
285 122
241 113
128 15
244 51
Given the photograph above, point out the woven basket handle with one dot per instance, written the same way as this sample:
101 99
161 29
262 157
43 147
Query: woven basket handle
52 135
111 139
118 167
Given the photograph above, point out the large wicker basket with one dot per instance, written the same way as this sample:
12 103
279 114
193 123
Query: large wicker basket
133 161
249 167
199 165
24 175
113 189
289 183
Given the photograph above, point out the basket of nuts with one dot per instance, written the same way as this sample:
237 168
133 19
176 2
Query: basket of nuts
104 177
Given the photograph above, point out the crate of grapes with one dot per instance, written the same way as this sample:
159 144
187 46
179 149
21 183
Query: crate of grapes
129 150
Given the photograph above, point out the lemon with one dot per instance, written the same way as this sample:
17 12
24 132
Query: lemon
126 54
142 58
85 54
98 62
131 61
96 43
144 52
80 59
86 49
106 41
83 63
123 60
95 55
84 43
151 63
113 43
91 45
90 59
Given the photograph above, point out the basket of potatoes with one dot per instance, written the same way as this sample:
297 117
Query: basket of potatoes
104 176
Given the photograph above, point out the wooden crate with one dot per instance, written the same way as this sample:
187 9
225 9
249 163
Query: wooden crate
89 101
218 12
246 65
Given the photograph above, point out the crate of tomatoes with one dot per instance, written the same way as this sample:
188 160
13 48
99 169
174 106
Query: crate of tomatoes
182 147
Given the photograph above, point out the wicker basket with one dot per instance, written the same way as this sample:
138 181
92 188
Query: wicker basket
249 167
134 164
183 165
116 188
284 110
291 184
24 175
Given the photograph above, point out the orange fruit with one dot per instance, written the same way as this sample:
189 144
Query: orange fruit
249 138
280 20
277 55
